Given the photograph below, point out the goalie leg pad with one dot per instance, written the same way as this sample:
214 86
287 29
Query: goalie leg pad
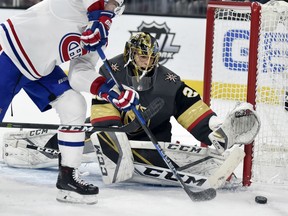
218 178
18 152
25 158
114 156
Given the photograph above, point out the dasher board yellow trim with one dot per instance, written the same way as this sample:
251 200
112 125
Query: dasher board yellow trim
267 95
196 85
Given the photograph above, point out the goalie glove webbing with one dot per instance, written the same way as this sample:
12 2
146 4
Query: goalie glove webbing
241 126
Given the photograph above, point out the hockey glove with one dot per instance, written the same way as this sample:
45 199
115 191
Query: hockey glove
240 126
96 33
108 90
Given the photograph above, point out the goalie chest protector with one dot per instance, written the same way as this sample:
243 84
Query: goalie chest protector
165 85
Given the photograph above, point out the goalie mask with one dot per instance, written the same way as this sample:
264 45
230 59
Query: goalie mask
141 56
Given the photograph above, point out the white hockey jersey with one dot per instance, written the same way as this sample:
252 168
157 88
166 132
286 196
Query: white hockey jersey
46 35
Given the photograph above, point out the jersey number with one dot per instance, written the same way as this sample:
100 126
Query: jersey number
189 92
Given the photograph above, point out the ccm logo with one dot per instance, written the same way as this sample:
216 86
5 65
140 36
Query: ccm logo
76 128
101 160
184 148
38 132
164 174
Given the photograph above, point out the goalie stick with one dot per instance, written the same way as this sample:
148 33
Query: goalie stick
84 128
151 110
202 195
33 146
154 107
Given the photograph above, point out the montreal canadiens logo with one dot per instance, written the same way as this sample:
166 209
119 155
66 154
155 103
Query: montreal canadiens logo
70 47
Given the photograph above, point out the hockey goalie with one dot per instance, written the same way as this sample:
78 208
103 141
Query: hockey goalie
124 160
132 156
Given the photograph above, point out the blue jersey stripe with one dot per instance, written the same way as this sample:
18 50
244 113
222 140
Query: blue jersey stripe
15 51
71 144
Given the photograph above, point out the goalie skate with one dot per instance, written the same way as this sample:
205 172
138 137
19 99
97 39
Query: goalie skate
72 189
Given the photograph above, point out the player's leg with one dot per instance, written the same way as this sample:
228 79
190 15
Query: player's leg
71 108
10 83
55 91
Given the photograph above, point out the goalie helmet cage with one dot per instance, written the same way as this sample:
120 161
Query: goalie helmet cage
246 60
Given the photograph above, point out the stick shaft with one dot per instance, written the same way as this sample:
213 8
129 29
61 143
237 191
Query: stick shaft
83 128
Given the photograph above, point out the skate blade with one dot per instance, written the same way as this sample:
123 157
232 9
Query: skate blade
75 198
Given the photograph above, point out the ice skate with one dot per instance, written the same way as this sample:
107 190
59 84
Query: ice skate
72 189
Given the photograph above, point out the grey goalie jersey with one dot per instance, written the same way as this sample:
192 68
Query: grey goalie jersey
181 101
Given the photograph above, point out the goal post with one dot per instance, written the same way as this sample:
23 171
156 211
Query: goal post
246 59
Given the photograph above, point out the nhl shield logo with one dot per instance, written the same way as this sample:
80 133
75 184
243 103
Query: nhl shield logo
164 37
70 48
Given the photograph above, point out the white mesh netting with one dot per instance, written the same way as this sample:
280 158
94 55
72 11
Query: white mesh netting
229 81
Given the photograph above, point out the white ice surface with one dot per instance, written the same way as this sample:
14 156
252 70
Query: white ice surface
26 192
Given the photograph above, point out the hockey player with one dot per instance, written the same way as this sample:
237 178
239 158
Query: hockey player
33 45
138 68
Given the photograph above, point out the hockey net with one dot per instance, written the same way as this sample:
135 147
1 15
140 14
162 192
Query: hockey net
246 59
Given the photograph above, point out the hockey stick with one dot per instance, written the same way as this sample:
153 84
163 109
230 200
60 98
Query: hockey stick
83 128
203 195
154 107
33 146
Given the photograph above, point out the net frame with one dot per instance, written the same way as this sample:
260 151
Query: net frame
254 9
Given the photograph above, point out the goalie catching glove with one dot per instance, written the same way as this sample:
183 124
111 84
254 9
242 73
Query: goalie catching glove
241 126
108 90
